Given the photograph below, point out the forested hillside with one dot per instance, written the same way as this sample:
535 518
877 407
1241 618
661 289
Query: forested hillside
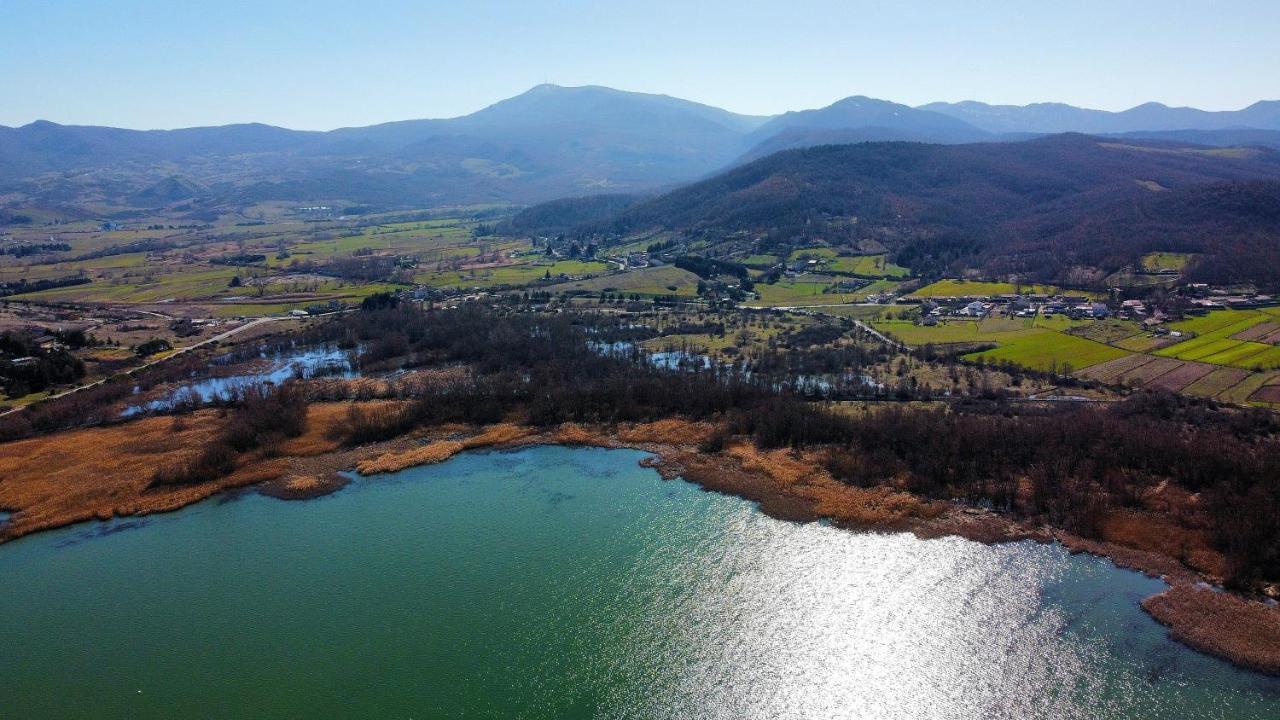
1043 207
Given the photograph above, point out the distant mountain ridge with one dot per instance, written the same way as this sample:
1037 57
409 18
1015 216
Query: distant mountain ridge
548 142
1058 118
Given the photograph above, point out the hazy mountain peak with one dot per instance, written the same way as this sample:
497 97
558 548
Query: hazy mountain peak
842 118
1150 116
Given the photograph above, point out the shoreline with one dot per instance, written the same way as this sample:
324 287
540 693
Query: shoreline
783 485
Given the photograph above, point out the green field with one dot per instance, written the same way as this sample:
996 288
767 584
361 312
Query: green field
762 261
959 331
1217 320
1144 342
1038 343
1165 261
868 266
648 282
190 272
806 290
520 274
823 253
1049 350
1244 354
1213 341
964 288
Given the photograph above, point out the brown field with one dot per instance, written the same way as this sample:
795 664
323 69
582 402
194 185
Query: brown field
1180 377
1216 382
1267 393
1150 371
1144 342
1241 392
1258 332
1112 370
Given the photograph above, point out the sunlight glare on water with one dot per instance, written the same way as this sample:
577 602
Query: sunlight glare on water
571 583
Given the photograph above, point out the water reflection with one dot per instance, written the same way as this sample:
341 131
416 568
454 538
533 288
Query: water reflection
571 583
772 620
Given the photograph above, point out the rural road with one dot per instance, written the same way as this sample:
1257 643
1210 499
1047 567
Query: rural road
180 351
817 310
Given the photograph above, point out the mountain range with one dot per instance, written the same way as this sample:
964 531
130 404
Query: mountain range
548 142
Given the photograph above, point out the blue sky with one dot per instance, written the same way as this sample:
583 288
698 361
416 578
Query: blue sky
320 64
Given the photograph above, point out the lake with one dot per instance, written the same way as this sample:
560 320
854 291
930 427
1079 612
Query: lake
573 583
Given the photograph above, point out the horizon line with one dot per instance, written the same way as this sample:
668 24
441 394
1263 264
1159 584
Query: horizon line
922 106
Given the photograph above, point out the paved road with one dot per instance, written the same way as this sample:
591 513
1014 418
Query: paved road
216 338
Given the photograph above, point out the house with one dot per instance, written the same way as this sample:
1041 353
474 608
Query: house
47 342
975 309
299 313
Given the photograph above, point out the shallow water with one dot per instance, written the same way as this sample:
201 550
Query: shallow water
302 363
566 583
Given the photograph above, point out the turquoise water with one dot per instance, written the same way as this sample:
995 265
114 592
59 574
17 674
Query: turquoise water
572 583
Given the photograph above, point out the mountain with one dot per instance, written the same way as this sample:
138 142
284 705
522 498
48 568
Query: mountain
1043 208
859 112
546 143
550 141
1059 118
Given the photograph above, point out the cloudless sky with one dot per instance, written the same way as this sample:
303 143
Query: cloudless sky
320 64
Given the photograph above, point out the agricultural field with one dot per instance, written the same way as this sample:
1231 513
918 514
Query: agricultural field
646 282
1144 342
868 266
1216 382
813 290
272 265
522 273
830 260
1219 357
958 330
1111 331
1216 340
760 261
819 253
1045 349
967 288
1154 262
1246 389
